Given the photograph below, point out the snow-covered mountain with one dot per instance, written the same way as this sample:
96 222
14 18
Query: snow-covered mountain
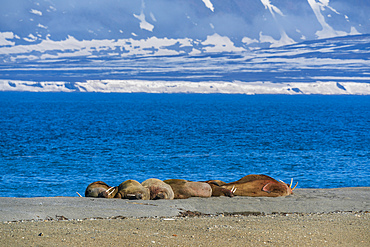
201 46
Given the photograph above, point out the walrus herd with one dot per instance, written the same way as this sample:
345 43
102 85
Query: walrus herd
154 189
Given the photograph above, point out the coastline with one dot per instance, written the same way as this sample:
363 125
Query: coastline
355 199
310 217
330 87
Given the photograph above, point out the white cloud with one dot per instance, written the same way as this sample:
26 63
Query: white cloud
143 23
209 4
4 38
36 12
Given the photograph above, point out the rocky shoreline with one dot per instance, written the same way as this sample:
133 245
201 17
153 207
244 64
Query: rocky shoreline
310 217
302 201
326 229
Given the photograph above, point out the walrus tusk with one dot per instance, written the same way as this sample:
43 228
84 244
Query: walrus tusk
295 186
291 183
78 194
109 190
233 189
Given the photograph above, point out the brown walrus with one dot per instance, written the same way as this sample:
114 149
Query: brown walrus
100 189
158 189
218 190
133 190
259 185
184 189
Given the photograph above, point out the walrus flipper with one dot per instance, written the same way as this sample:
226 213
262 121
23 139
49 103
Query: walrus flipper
137 196
267 188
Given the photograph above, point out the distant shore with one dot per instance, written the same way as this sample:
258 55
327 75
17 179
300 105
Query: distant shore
203 87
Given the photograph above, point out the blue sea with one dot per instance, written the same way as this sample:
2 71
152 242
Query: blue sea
55 144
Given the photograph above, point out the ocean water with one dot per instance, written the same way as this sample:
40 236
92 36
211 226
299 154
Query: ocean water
55 144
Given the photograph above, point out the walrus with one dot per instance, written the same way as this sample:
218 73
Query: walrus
218 190
158 189
184 189
260 185
133 190
100 189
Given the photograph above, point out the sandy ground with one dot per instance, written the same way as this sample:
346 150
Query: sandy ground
311 217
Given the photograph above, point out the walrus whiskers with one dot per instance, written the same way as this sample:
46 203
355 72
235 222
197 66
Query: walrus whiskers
291 183
295 186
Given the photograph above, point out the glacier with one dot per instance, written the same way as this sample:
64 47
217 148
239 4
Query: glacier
236 87
193 46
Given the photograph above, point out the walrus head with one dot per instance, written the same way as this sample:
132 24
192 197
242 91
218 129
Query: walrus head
96 189
217 190
289 187
109 193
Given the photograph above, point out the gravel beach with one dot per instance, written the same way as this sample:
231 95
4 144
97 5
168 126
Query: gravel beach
310 217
